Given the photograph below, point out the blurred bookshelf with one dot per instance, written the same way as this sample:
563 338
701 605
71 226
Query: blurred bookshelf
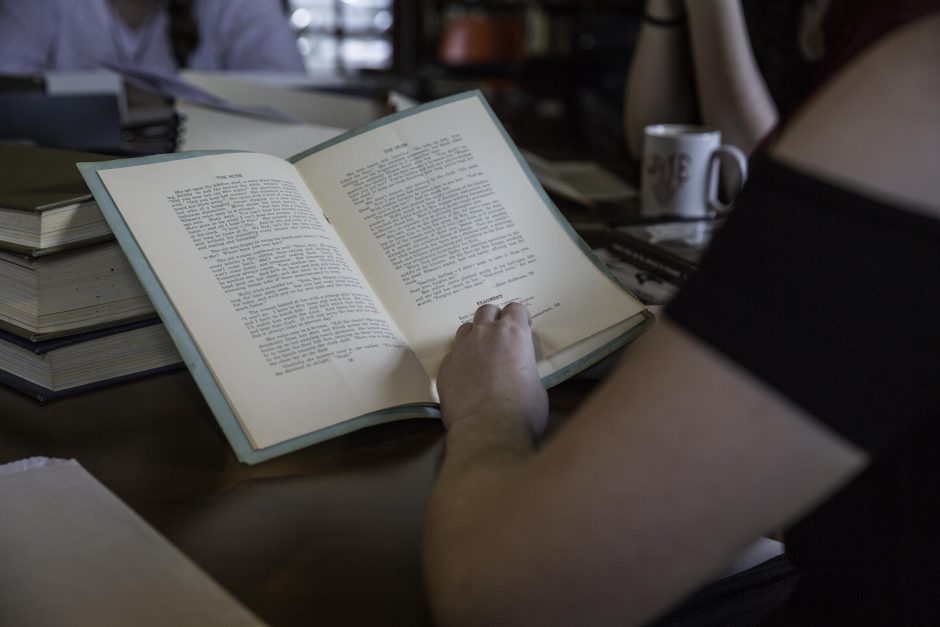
554 70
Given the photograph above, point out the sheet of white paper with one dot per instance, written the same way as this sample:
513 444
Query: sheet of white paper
208 129
31 463
584 182
178 88
74 554
329 109
399 101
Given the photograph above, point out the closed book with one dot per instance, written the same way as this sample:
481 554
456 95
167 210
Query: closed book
70 292
671 251
72 364
45 205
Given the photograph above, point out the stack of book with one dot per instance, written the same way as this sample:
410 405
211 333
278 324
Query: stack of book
654 260
72 314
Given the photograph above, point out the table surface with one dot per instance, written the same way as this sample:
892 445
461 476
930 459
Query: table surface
326 535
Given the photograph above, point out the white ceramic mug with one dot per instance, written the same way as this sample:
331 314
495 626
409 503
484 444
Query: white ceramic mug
680 170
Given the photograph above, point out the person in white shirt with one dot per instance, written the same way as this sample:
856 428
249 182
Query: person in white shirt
158 36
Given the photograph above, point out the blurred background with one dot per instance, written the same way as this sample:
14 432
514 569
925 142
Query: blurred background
553 69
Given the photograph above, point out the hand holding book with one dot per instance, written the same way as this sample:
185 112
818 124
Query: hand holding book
491 372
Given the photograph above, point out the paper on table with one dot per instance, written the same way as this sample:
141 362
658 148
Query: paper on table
178 88
74 554
399 101
208 129
584 182
313 107
31 463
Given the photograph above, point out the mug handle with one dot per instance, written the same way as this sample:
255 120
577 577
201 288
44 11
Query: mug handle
740 159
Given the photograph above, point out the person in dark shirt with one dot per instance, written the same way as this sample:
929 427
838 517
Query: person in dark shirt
792 384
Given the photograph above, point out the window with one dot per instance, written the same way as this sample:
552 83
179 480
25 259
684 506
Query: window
343 36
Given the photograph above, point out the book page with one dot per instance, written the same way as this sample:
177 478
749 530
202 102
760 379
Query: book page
441 217
285 321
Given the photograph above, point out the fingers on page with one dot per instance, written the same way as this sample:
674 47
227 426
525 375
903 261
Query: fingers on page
516 312
486 313
463 329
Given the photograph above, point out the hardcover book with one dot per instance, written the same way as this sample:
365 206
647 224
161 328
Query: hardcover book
317 295
69 292
670 250
45 205
67 365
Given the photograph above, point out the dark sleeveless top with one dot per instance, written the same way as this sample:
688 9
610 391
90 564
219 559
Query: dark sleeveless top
833 299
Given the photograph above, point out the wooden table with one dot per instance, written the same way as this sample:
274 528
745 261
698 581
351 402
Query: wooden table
329 535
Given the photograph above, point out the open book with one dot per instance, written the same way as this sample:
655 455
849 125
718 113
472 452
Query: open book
318 295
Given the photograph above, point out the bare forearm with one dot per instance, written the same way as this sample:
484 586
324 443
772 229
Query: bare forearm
659 84
731 91
494 407
627 507
481 468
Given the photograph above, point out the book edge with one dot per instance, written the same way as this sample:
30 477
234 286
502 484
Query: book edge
42 393
585 362
41 347
184 342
